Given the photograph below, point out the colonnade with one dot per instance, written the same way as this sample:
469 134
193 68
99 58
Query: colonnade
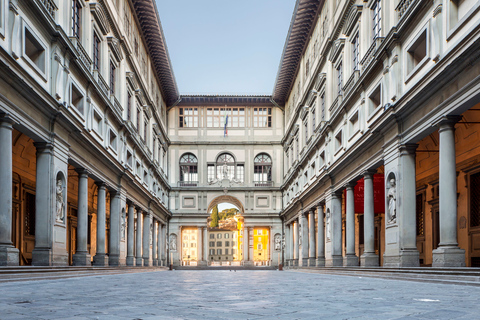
325 247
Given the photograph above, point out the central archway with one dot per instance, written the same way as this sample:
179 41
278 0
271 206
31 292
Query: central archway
227 199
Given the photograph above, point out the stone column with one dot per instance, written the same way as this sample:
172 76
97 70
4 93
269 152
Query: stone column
351 259
409 255
164 244
337 259
9 255
311 239
199 245
296 249
250 245
114 241
42 255
320 236
146 240
160 245
287 245
81 256
154 243
448 254
368 258
138 253
304 236
205 246
100 258
245 245
130 235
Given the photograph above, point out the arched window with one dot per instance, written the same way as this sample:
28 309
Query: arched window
262 172
225 166
188 168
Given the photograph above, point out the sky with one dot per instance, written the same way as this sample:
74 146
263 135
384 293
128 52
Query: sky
225 46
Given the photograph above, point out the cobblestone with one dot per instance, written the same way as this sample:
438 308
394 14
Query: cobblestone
235 295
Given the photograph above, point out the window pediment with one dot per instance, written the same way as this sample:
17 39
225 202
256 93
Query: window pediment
337 49
352 19
100 17
132 80
320 80
114 45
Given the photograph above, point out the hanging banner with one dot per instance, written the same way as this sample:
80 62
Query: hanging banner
378 194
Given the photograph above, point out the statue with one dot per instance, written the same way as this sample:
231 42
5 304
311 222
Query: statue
328 224
173 242
299 235
392 202
151 234
278 241
122 227
225 170
60 202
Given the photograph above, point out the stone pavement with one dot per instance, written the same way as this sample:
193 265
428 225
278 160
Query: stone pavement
245 294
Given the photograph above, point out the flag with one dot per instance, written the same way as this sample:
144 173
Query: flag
225 131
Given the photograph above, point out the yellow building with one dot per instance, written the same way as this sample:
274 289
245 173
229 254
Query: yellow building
260 246
189 245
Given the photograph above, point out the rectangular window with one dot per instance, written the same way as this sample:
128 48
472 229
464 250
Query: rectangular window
29 214
76 16
212 244
96 51
227 243
339 79
322 105
475 200
314 120
219 252
188 117
212 236
212 252
138 120
145 127
262 117
113 140
112 78
129 106
226 251
240 172
210 172
417 51
77 99
234 117
377 19
420 215
34 50
355 48
307 68
97 122
305 126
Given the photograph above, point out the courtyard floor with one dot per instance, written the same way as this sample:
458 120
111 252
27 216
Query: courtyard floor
235 295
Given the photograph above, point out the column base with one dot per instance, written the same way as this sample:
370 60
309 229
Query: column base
312 262
406 258
147 262
42 257
114 260
82 259
304 262
248 263
295 262
369 260
155 263
203 263
335 261
100 260
448 257
350 260
138 262
9 256
131 261
320 262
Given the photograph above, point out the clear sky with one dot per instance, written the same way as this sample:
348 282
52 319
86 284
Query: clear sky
225 46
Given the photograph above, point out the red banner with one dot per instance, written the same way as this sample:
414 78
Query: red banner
378 194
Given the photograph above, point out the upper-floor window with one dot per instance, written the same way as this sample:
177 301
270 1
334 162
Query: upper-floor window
129 106
76 18
188 117
314 120
262 168
377 18
145 127
307 68
322 107
188 168
305 126
339 78
355 49
262 117
219 117
138 120
112 77
96 51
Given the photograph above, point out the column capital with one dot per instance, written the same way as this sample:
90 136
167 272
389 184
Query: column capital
447 122
368 174
350 185
82 172
43 147
336 194
6 121
101 184
407 149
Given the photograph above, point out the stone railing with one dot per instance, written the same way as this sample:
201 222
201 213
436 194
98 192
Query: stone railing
371 53
263 183
101 82
187 183
50 6
82 54
403 6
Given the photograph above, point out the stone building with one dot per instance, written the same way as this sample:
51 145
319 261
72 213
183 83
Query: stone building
366 153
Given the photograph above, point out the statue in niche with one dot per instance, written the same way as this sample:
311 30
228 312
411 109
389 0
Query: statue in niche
151 234
328 225
225 170
278 242
60 201
122 227
392 202
173 242
299 235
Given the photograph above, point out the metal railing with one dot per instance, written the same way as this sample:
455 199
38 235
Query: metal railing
263 183
187 183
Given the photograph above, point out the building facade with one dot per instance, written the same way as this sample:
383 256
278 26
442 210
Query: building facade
366 153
